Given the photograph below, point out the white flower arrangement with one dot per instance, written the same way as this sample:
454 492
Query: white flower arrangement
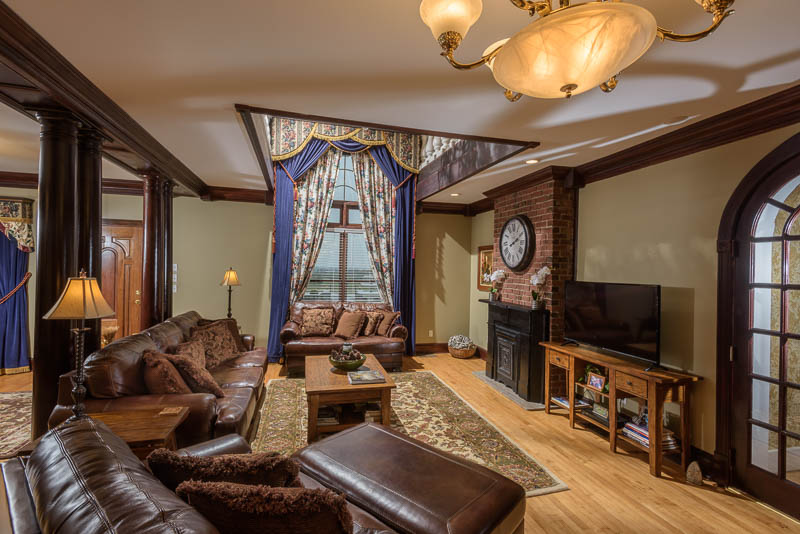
538 279
498 276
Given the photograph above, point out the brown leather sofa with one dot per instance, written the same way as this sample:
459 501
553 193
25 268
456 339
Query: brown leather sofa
82 478
388 349
114 379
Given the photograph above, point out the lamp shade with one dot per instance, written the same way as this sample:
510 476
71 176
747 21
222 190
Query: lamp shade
230 278
581 46
450 15
81 299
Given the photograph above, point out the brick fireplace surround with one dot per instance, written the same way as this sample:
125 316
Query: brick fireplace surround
550 205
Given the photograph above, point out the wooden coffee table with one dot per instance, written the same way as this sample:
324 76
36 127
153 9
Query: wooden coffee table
326 386
143 430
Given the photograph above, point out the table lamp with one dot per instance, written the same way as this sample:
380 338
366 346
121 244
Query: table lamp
230 279
81 299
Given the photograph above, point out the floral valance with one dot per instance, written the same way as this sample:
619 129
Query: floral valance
289 136
16 220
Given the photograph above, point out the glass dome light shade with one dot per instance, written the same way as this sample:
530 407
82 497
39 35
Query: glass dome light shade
450 15
584 45
491 48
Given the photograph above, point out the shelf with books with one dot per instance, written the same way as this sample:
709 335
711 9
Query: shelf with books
589 417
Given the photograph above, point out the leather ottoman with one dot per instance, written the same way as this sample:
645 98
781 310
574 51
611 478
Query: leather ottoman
412 487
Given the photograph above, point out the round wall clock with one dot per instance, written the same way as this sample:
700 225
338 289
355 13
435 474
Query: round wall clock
517 243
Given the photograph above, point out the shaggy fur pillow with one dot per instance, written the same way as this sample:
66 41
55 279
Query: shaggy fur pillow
386 324
372 322
218 342
193 350
267 468
161 377
350 324
197 378
243 509
317 322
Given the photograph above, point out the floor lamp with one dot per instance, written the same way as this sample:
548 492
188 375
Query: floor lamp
80 300
230 279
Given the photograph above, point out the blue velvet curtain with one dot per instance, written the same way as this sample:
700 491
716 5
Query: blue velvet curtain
404 257
14 343
289 171
404 280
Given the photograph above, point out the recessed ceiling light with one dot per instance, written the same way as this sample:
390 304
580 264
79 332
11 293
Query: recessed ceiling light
532 161
455 194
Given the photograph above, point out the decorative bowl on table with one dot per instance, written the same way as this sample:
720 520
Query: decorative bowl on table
348 359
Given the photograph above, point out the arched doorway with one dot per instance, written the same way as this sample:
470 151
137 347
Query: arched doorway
758 351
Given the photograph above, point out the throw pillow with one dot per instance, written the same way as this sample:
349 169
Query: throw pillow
350 324
372 322
197 378
161 377
232 326
266 468
217 341
243 509
317 322
193 350
388 321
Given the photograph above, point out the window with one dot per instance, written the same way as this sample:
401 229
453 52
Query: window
343 270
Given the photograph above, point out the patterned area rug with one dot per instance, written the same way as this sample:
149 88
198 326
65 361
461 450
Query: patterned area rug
424 408
15 421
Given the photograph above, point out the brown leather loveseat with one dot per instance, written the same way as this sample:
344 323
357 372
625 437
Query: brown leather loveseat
115 382
388 349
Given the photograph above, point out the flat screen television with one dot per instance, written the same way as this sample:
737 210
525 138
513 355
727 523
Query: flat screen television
622 318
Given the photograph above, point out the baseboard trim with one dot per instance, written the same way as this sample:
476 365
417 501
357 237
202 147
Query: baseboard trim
483 353
430 348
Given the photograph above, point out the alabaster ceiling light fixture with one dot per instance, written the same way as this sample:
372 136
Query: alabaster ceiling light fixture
565 51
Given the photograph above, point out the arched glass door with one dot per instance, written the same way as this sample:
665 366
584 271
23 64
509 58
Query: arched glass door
766 378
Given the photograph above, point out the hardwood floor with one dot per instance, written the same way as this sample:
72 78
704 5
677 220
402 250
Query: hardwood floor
610 493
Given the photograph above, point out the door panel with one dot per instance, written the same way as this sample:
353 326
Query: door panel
122 276
766 374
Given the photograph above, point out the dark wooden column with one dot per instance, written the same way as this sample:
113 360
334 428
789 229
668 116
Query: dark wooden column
89 214
55 257
166 204
151 218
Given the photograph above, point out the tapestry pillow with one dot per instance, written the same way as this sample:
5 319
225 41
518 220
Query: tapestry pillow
350 324
218 342
266 468
389 318
372 322
197 378
232 326
317 322
244 509
193 350
161 377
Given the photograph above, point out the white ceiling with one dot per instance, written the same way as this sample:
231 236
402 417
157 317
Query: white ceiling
179 66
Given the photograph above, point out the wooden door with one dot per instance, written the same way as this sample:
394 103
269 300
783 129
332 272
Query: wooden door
121 281
766 370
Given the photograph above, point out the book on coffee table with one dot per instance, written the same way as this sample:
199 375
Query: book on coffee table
365 377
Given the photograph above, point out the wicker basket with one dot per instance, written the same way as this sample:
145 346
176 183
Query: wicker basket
462 354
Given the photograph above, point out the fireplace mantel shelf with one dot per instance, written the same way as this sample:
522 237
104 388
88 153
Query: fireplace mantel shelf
509 306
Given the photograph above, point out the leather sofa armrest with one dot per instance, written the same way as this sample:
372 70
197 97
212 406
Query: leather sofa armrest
398 331
290 332
198 426
230 444
249 341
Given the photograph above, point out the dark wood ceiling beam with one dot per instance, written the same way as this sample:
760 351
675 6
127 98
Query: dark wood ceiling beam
264 159
35 60
757 117
235 194
464 160
361 124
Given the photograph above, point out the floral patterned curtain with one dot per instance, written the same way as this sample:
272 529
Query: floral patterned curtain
16 221
376 200
314 196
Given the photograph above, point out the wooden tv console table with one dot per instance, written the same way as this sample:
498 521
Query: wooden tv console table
626 379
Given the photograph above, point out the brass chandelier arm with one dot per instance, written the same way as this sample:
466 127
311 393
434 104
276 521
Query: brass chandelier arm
534 7
689 37
511 96
448 55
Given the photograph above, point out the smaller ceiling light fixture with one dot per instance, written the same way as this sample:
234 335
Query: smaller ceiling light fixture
532 161
455 194
230 279
565 51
